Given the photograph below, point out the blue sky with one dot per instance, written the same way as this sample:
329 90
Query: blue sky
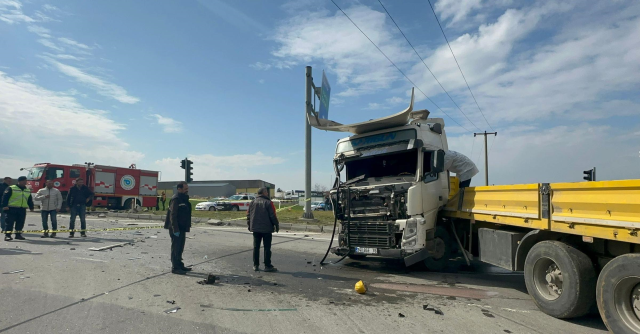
121 82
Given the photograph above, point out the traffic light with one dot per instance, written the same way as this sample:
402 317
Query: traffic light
590 175
188 169
188 172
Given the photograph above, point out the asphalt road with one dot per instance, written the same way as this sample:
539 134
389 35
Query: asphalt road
66 288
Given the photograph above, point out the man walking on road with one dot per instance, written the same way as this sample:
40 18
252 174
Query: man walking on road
3 186
262 221
51 200
178 222
15 201
77 199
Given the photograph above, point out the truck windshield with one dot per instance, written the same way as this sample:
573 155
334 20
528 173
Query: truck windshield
35 173
395 164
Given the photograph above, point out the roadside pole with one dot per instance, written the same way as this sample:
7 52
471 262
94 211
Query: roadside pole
308 214
486 155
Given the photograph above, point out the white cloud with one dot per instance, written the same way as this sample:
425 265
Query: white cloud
62 56
71 42
11 12
40 31
456 10
169 125
44 119
261 81
260 66
210 167
332 39
50 44
232 15
50 8
101 86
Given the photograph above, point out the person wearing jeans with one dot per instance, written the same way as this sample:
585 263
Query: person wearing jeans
77 199
262 221
51 203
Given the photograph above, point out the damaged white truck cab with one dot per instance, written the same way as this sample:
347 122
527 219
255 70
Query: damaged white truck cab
393 185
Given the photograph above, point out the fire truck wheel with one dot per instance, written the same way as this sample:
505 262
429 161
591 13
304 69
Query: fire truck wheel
561 279
618 294
235 208
440 258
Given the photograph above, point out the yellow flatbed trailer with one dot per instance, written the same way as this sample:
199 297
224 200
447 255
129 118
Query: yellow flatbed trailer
577 243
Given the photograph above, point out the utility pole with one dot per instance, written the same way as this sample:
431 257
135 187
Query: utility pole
308 214
486 154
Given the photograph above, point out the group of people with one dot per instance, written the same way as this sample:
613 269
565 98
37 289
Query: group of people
262 221
16 199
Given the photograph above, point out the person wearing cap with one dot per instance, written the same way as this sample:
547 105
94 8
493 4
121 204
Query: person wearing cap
15 201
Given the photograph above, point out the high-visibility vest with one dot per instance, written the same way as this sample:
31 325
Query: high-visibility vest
19 198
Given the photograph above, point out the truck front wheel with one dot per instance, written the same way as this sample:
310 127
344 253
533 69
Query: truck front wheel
439 259
560 278
618 294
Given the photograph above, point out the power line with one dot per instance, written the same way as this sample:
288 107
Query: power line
454 57
425 64
396 66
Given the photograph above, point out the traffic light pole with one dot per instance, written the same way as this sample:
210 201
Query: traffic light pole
186 165
308 214
486 155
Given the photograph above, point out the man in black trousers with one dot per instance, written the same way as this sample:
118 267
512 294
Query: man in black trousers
178 222
262 221
15 201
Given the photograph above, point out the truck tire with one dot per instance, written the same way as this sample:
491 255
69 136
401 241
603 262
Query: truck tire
444 248
618 294
560 278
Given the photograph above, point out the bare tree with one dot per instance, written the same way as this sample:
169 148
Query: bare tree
319 187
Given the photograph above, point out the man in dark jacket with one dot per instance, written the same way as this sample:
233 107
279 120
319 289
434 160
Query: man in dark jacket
15 201
3 186
262 221
78 198
178 221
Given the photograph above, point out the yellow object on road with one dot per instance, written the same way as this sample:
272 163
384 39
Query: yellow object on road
360 287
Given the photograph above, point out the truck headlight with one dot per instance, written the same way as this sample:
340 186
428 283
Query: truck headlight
409 243
410 229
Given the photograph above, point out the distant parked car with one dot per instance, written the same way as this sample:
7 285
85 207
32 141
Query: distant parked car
319 206
206 206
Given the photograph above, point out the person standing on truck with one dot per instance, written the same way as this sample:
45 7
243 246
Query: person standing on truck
78 198
51 200
460 164
15 201
262 221
3 186
178 222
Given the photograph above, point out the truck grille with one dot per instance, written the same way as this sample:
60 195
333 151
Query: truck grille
370 241
358 228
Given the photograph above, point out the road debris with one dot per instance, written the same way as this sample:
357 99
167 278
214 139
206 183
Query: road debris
171 301
211 279
108 247
400 315
487 313
72 249
134 258
260 309
433 309
360 287
172 310
14 272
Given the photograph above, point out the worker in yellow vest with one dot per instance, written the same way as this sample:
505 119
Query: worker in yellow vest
15 201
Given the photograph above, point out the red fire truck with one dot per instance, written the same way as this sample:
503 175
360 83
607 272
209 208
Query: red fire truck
114 187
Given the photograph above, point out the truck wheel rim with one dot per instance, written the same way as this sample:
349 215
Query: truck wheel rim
440 249
626 297
547 278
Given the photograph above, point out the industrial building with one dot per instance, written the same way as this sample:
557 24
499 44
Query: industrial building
217 188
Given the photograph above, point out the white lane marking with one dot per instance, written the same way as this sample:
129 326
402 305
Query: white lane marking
84 258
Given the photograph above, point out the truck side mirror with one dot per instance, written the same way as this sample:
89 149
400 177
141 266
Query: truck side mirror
438 163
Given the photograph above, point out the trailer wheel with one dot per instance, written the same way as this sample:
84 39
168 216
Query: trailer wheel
618 294
440 258
560 278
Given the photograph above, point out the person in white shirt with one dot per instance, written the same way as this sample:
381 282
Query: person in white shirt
464 167
51 203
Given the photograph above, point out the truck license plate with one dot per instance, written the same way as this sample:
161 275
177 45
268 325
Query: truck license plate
363 250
